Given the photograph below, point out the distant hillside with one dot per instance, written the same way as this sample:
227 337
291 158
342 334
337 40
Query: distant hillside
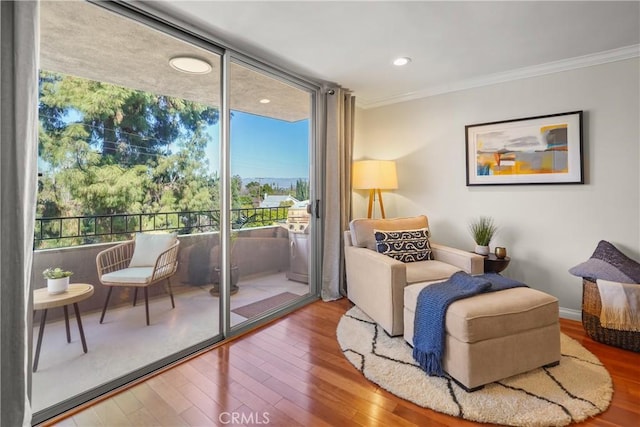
274 182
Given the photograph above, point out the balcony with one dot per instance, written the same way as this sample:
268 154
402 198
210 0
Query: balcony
123 342
147 130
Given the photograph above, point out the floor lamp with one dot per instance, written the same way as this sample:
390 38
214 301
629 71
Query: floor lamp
375 175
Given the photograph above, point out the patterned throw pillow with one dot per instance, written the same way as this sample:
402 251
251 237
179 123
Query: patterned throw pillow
608 263
404 245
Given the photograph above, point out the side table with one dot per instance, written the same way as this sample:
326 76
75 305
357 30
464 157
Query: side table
493 264
42 300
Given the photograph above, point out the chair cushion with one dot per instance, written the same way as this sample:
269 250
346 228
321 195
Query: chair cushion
140 275
362 234
149 247
493 314
426 271
404 245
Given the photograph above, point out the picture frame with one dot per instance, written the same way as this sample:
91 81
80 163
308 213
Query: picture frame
532 150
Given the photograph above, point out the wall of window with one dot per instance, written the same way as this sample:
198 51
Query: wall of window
129 144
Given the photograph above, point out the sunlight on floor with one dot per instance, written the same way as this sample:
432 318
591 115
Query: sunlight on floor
124 343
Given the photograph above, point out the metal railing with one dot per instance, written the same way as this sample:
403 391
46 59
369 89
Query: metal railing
55 232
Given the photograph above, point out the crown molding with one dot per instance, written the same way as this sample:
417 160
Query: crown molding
613 55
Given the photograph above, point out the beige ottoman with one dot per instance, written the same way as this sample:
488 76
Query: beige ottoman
494 335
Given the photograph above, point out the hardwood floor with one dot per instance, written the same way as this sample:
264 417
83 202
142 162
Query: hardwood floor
292 373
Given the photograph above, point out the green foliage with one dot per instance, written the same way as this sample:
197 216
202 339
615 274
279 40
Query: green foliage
302 190
56 273
107 189
126 126
483 229
106 149
258 217
236 189
131 156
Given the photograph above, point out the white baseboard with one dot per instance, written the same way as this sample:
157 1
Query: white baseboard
569 313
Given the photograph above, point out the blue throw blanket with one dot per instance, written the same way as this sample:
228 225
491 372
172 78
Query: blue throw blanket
431 308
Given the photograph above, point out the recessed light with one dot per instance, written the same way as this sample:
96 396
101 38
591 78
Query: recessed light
401 61
265 101
189 64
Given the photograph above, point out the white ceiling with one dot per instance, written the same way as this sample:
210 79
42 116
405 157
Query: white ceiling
453 45
80 39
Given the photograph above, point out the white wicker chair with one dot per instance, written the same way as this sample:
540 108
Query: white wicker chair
114 270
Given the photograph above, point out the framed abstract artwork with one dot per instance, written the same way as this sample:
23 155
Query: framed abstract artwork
533 150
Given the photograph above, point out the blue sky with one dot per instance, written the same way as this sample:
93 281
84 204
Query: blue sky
263 147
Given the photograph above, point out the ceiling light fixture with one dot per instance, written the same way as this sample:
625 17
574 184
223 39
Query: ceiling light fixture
401 61
265 101
189 64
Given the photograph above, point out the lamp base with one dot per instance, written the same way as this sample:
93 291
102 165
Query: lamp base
372 196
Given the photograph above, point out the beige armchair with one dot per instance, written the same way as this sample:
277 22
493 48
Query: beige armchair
139 263
376 282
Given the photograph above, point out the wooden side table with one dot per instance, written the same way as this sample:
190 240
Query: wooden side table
493 264
42 300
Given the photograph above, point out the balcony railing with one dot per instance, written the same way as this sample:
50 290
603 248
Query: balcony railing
56 232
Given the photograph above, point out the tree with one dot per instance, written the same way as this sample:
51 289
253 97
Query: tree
127 126
302 190
255 192
108 149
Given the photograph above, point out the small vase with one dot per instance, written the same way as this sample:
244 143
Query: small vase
57 286
482 250
501 252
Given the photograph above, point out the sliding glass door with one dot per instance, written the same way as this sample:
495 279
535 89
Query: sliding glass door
145 129
270 169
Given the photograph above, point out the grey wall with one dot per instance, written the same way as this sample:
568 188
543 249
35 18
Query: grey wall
546 228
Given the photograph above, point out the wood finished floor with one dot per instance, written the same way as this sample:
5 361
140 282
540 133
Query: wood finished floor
293 370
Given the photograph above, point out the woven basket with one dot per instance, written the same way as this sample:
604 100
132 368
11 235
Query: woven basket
591 307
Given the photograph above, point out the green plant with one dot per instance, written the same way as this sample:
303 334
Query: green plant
56 273
483 229
233 237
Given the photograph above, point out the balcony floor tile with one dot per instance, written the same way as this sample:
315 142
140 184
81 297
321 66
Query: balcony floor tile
124 343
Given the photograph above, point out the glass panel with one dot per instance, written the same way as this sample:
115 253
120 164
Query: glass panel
270 170
127 144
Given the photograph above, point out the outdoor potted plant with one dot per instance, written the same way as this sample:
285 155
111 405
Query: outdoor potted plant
235 270
57 280
482 230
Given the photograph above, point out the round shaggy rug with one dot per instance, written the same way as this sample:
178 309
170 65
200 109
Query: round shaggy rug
578 388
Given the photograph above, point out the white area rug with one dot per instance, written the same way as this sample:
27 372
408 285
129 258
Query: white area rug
578 388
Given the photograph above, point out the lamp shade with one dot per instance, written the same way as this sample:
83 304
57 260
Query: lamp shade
374 174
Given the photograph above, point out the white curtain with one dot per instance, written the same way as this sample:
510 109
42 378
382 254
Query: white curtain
339 121
19 38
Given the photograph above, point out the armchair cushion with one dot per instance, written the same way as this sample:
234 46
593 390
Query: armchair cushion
404 245
362 229
427 271
148 248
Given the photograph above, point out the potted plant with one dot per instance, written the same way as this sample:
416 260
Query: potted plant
235 270
57 280
482 230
